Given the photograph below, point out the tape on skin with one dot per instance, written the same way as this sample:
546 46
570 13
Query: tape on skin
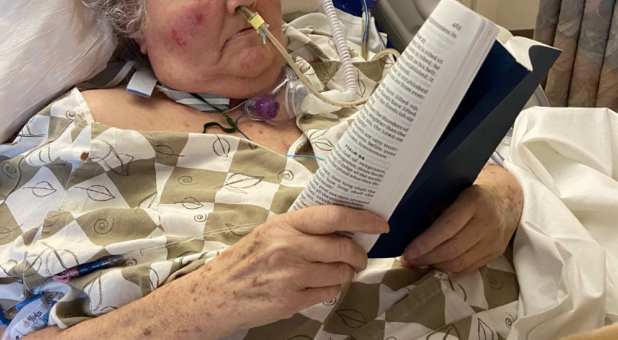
142 83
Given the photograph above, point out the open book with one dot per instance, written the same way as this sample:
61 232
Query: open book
431 125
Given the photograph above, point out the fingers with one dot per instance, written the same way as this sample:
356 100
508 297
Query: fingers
328 219
467 238
318 275
467 263
445 227
478 264
335 248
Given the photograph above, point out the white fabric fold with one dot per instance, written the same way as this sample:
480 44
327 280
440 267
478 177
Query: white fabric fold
566 247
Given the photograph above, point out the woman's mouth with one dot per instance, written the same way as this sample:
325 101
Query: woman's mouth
246 31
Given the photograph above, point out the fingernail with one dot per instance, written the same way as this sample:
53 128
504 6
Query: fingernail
412 261
404 262
411 253
384 228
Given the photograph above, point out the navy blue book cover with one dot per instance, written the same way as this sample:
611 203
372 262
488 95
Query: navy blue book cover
498 93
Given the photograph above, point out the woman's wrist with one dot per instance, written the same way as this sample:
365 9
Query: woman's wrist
507 192
177 310
191 307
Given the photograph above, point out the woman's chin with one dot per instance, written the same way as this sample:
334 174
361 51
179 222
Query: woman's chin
253 87
251 62
252 72
242 72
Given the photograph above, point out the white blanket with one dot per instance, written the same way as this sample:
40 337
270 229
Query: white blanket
566 248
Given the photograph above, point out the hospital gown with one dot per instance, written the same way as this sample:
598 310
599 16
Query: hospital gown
73 190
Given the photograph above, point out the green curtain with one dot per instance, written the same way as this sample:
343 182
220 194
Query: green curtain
586 74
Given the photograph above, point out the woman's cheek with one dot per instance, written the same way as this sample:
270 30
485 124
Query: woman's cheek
187 26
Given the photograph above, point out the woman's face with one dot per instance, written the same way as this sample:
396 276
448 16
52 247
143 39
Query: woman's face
207 46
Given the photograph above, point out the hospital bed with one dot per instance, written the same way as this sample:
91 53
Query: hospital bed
399 19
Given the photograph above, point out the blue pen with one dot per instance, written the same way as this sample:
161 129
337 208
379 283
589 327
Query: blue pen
88 268
117 260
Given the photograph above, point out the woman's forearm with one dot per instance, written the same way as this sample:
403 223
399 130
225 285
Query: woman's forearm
177 310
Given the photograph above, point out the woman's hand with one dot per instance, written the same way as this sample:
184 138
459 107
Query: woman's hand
289 263
475 229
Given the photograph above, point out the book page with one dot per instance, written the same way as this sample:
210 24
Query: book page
378 157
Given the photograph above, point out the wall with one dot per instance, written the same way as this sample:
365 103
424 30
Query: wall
512 14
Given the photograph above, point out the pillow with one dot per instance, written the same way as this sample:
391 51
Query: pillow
46 48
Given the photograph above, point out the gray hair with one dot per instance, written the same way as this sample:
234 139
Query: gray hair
127 18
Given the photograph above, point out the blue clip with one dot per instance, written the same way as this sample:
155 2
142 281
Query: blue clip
4 321
24 303
263 34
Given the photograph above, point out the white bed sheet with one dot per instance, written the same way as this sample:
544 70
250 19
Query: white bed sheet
566 248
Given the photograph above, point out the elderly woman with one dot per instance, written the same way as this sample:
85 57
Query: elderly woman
115 173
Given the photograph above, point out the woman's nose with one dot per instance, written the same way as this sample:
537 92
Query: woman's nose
232 5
